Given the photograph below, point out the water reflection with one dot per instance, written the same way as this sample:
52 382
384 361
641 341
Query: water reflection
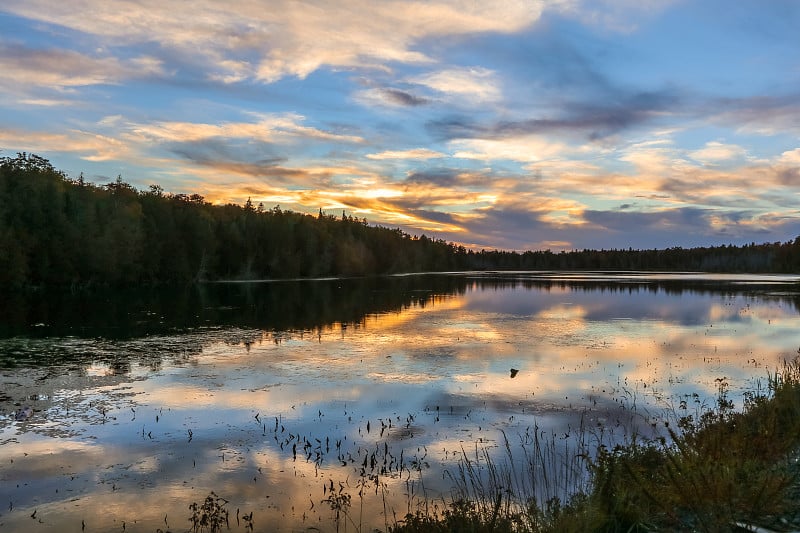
270 394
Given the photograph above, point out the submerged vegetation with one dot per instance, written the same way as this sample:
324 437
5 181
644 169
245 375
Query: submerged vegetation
724 470
60 231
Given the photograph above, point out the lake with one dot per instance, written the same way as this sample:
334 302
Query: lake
120 409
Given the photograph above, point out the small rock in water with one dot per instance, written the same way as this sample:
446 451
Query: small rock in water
24 413
514 372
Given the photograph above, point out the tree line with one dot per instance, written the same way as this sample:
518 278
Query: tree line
62 231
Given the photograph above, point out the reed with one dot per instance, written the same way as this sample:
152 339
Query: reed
721 470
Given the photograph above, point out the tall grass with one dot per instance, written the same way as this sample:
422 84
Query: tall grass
721 470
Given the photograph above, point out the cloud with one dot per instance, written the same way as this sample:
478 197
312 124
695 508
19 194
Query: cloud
695 225
524 149
588 120
475 84
762 114
278 128
416 153
716 152
89 146
403 98
664 170
543 134
514 226
790 157
264 168
687 219
248 40
25 68
510 226
444 177
389 97
624 16
45 102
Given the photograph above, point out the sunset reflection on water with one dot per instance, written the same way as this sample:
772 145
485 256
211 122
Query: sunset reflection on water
134 429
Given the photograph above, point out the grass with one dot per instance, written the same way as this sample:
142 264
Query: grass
721 470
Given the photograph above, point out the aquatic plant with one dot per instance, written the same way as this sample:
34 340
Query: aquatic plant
340 502
211 515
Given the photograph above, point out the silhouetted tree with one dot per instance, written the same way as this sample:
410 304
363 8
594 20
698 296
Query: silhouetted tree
58 231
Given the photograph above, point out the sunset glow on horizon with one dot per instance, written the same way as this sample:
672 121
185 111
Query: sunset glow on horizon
519 125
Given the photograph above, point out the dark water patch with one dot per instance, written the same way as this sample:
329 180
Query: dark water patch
312 304
272 306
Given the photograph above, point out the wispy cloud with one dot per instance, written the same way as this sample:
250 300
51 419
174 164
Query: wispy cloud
590 121
89 146
389 97
26 69
245 39
271 128
523 149
623 16
762 114
475 84
415 153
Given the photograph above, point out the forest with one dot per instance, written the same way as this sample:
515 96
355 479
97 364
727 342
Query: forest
62 231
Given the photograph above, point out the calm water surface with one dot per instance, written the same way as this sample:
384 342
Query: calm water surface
122 409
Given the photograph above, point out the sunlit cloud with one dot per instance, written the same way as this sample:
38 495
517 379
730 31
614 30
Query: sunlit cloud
522 149
63 69
231 71
275 128
288 38
416 153
89 146
790 158
476 84
715 152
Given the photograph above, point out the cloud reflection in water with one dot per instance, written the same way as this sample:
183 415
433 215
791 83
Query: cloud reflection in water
269 417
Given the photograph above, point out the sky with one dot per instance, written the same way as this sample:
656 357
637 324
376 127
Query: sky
517 125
